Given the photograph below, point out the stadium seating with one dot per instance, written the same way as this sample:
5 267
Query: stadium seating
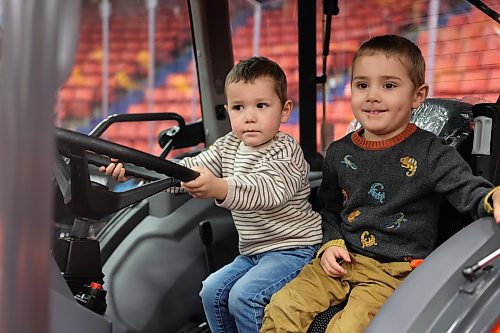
466 54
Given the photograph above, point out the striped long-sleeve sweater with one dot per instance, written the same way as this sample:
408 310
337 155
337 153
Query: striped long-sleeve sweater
267 194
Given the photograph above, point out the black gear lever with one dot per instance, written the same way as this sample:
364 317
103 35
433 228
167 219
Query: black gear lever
207 238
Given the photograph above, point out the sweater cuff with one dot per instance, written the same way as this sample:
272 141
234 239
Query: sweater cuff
228 202
335 242
488 200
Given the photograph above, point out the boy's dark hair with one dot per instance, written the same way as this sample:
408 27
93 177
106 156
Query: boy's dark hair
256 67
397 47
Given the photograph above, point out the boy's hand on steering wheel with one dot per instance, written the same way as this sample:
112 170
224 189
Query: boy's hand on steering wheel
206 185
115 170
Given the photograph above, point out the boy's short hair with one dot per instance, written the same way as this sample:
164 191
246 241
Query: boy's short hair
256 67
400 48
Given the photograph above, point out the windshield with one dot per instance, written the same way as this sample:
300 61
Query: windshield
460 44
114 71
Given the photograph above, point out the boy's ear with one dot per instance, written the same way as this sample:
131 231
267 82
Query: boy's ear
420 95
286 111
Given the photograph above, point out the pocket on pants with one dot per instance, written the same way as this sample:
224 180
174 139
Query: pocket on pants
397 269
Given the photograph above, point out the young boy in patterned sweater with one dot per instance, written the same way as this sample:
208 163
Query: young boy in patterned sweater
382 186
260 174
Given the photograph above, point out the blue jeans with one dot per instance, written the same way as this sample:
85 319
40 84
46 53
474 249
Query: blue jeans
234 297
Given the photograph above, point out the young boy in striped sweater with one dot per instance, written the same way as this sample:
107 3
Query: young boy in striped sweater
260 174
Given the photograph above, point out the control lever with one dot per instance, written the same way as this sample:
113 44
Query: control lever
207 238
166 140
470 272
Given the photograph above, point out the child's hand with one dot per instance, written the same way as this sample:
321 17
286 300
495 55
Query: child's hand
496 205
331 260
206 185
115 170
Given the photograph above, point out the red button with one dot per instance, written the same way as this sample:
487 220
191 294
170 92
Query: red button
416 262
95 285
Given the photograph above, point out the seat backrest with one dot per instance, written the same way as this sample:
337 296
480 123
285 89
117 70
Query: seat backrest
485 151
452 120
477 141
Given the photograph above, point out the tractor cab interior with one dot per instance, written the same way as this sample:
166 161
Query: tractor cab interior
143 81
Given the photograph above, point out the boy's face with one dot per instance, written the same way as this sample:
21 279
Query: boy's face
255 110
383 96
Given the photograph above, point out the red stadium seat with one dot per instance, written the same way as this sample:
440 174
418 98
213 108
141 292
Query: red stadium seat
448 84
474 81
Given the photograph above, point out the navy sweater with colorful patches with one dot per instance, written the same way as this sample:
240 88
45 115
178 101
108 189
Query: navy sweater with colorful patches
383 197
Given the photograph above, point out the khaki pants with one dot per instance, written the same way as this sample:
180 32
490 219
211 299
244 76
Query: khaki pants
369 283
